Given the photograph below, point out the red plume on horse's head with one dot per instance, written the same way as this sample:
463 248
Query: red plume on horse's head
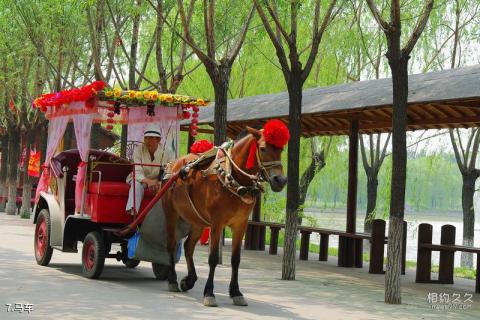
276 133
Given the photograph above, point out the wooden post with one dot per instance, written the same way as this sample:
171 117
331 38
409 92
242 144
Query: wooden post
304 244
424 256
341 251
255 234
323 254
377 247
352 193
274 231
358 253
445 270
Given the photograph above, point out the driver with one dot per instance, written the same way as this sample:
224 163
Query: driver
146 177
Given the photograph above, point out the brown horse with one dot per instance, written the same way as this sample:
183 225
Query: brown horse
207 197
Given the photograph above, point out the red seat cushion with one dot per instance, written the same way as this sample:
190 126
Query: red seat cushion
109 188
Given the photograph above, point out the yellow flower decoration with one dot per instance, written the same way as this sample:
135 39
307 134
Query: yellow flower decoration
117 93
169 98
154 95
131 94
138 95
109 93
201 102
146 95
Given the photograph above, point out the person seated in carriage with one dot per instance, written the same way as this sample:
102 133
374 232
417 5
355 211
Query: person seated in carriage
147 177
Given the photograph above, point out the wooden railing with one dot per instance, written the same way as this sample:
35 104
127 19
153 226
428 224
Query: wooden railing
255 240
447 248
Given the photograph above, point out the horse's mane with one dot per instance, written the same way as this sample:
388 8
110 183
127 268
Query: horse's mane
245 133
241 135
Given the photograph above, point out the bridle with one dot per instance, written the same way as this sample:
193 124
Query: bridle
264 165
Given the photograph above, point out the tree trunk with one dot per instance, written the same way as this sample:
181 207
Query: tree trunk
398 64
26 208
294 122
221 81
123 141
95 137
372 188
43 142
68 137
3 172
13 160
317 163
468 190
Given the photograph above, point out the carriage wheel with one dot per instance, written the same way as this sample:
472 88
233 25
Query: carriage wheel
93 255
131 263
160 271
43 250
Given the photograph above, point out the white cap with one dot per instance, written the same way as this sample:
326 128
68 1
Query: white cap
152 131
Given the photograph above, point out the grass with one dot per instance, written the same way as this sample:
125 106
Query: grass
460 272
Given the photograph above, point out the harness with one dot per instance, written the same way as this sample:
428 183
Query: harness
222 167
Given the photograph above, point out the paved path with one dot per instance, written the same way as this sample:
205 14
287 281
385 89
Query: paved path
321 291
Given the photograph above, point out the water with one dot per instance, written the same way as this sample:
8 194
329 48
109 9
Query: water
337 220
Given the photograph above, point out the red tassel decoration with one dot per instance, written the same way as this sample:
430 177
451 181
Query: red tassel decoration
252 155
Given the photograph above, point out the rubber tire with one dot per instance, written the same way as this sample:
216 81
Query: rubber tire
44 260
160 271
96 240
131 263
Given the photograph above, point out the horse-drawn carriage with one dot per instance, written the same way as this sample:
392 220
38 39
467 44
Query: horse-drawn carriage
82 193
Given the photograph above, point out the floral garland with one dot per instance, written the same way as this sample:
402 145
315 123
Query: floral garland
60 98
148 97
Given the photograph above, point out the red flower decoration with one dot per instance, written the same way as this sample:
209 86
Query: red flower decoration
186 115
201 146
276 133
109 127
57 99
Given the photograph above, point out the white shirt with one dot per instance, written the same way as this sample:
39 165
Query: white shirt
142 155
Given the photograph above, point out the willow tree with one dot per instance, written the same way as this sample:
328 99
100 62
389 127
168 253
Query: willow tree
398 57
295 69
224 34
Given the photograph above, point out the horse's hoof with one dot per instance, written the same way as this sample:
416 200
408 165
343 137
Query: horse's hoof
239 301
210 302
173 287
184 285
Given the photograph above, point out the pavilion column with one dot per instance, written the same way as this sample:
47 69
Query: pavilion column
349 249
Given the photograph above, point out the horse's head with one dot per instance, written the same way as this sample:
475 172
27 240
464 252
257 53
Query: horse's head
270 142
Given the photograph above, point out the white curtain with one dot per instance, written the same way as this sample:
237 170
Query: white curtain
56 130
83 126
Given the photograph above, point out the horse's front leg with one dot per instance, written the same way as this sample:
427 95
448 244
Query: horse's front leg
238 232
208 296
188 282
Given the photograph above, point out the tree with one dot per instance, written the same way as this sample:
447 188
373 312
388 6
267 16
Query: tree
295 76
372 165
466 160
398 57
219 70
319 150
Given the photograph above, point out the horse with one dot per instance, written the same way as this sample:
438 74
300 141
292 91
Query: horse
219 194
